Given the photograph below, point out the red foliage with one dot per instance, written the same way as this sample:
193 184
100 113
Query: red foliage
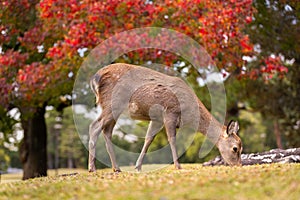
55 52
12 59
33 37
247 47
10 62
63 27
217 25
272 66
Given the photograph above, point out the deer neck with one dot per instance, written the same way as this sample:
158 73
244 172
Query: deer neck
208 125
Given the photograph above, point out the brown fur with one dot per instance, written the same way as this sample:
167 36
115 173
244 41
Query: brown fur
153 96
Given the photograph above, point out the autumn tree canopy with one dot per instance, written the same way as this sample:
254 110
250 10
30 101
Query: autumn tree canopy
41 40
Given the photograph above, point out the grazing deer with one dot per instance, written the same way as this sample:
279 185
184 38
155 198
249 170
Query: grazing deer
161 99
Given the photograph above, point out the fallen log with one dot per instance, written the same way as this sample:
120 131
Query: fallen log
267 157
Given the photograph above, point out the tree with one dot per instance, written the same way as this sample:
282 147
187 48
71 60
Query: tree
67 145
40 41
28 80
221 36
275 31
5 160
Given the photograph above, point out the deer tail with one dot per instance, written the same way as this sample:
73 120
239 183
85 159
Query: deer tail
94 84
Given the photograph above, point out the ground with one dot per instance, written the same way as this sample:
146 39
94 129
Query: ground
269 181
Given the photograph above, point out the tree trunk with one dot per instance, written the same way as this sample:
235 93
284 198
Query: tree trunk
277 134
33 148
57 133
70 160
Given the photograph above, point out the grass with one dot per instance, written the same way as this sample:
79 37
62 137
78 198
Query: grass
8 178
275 181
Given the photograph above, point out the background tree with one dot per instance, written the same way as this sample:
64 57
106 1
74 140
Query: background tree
4 160
28 80
275 33
70 151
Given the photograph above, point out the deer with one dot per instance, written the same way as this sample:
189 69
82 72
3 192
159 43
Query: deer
160 99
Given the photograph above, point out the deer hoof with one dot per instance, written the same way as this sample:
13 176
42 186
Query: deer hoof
92 169
178 167
117 170
138 168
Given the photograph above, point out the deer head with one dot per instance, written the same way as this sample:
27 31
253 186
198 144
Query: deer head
230 145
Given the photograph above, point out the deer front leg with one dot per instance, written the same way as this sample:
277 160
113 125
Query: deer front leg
94 131
172 141
109 147
153 129
171 132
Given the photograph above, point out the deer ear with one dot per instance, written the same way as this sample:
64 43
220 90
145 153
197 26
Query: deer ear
233 127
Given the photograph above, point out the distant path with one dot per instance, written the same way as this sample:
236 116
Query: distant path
272 156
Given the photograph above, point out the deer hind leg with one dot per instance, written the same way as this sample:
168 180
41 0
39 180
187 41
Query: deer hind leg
94 131
153 129
170 124
106 124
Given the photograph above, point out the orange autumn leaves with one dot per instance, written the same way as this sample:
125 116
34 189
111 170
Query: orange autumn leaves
41 44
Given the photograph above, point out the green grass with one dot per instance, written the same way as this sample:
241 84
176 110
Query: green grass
275 181
7 178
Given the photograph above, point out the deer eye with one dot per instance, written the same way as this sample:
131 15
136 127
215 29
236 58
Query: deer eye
235 149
